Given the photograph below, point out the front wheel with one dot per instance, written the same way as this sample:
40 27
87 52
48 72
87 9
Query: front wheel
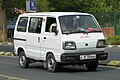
92 66
52 65
23 60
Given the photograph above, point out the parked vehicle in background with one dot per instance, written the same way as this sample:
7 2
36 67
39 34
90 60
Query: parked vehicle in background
59 38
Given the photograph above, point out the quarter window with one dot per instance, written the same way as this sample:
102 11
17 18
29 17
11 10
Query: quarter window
22 24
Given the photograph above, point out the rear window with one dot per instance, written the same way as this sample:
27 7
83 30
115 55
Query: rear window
22 24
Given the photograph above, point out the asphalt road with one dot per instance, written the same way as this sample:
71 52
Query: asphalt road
10 70
113 54
6 48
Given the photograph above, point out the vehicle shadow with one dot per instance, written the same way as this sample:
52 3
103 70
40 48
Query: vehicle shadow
66 69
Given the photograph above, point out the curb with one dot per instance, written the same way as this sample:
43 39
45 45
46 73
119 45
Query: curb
113 46
114 63
6 43
7 53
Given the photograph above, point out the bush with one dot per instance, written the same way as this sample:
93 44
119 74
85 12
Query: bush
113 40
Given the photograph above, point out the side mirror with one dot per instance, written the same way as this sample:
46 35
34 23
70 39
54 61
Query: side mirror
54 28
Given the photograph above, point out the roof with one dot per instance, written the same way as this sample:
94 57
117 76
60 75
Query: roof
53 14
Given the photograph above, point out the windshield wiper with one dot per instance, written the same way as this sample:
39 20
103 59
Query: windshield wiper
65 32
94 31
82 31
78 31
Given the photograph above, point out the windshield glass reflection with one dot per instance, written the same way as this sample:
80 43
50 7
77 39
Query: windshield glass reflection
78 24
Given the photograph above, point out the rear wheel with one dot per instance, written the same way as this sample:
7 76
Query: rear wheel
92 66
52 65
23 60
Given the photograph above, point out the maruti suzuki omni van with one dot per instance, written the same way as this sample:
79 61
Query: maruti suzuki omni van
59 38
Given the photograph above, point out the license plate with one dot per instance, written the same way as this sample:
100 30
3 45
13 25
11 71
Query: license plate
84 57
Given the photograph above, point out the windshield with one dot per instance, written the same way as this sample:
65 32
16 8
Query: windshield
78 24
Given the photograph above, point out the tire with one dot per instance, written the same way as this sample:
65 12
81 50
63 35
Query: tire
23 60
92 66
52 65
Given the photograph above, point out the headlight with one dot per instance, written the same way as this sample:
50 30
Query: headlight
101 44
69 45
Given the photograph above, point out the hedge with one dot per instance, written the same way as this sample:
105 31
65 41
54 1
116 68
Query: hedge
113 40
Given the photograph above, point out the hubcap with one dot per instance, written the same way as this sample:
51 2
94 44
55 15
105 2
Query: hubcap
50 63
22 60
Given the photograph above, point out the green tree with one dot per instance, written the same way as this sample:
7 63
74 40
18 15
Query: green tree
43 6
1 3
66 5
21 4
113 5
85 5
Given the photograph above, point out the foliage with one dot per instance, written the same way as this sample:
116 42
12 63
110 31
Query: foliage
105 19
1 3
113 40
84 5
88 6
43 6
9 6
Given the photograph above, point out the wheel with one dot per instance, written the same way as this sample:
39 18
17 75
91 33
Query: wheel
23 60
92 66
52 65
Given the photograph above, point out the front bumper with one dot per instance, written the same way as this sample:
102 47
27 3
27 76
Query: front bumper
75 57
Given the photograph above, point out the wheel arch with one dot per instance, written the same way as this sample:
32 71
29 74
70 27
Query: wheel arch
56 55
48 54
19 50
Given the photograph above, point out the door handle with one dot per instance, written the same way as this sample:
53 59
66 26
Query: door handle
44 37
38 39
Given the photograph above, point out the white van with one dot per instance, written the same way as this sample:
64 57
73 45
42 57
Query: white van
58 39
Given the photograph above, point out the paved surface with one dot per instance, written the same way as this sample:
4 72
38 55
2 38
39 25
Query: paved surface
6 49
10 70
113 57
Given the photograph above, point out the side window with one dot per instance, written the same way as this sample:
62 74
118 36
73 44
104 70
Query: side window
49 22
35 25
22 24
